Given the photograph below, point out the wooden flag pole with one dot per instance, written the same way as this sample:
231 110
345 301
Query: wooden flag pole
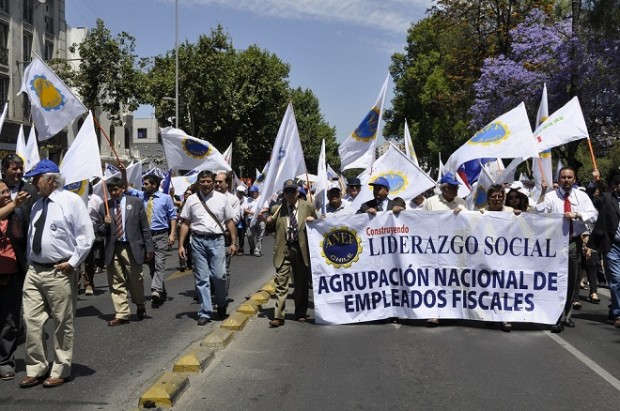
597 176
118 159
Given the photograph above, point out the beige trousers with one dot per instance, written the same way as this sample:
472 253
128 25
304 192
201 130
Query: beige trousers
49 293
125 275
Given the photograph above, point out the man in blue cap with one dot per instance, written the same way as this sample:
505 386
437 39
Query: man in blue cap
60 236
380 202
448 199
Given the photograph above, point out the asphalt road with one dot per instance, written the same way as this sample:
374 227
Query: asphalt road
462 365
114 365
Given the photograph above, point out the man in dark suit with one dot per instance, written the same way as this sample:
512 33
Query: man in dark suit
380 202
605 238
128 244
291 257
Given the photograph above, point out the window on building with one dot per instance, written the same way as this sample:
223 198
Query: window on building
127 138
4 38
27 47
48 52
26 107
4 5
49 16
142 133
4 90
29 11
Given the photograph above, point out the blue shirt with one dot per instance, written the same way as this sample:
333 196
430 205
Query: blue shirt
163 208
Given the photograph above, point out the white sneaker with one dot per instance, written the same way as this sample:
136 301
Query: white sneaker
88 290
257 253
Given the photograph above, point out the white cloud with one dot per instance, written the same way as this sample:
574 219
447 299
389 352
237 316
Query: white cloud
388 15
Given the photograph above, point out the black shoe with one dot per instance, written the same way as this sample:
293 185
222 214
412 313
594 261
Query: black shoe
203 321
221 312
569 323
9 375
557 328
141 313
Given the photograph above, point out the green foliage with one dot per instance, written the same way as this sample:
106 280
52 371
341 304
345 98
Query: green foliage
234 96
108 77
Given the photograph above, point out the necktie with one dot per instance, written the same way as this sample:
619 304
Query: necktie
38 226
567 209
379 206
293 223
118 218
149 210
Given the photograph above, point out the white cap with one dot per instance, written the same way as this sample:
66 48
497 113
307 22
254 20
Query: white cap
241 188
333 185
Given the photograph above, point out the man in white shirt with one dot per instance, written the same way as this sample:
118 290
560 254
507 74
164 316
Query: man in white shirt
203 213
578 211
256 232
222 184
59 238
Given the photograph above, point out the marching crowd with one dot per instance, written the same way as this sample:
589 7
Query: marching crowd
46 233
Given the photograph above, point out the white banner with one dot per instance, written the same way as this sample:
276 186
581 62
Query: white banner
491 267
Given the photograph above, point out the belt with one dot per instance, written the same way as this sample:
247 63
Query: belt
156 232
50 265
198 235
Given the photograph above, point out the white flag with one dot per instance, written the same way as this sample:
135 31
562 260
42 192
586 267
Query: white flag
322 183
185 152
543 167
477 199
287 157
31 154
508 136
565 125
83 160
228 155
134 178
358 150
53 105
558 167
3 116
406 179
409 146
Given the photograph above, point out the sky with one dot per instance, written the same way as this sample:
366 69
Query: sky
340 49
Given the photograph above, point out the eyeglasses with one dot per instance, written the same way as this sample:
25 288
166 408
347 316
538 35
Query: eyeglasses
219 181
497 197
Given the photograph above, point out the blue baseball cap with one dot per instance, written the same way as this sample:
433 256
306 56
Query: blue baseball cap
42 167
449 178
253 189
380 181
354 181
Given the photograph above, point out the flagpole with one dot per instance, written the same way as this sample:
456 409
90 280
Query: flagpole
107 138
597 176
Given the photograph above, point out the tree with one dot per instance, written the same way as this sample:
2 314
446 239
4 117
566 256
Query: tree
231 96
108 77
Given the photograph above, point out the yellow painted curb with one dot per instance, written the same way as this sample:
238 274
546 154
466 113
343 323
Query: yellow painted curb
235 322
217 339
261 297
165 391
194 361
249 308
270 287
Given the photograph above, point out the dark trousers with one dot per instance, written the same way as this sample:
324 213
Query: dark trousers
93 259
10 319
572 289
591 267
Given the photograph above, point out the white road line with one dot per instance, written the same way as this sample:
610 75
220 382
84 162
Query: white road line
584 359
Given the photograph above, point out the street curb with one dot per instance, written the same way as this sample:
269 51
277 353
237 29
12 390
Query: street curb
165 391
236 321
249 308
218 338
195 360
270 287
170 385
261 297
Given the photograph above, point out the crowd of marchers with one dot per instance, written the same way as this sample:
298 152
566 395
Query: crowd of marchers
51 241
